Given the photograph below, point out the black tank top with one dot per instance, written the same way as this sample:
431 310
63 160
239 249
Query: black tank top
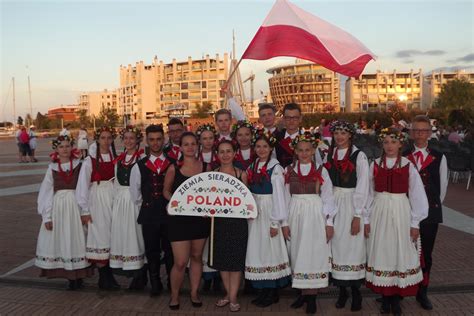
179 178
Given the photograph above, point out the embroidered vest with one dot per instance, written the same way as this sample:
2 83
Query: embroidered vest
105 172
123 173
60 183
391 180
431 181
265 186
153 208
302 187
340 179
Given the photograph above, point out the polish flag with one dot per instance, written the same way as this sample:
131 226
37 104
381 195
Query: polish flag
291 31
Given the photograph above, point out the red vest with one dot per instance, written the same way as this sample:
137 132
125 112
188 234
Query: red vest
391 180
105 171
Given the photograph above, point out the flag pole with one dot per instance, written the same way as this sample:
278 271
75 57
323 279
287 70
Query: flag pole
211 247
226 84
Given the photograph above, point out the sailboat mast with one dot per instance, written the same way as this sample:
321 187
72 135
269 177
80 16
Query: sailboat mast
14 102
31 106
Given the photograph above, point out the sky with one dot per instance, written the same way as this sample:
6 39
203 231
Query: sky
68 47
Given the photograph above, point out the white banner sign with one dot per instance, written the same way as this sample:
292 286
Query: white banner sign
213 194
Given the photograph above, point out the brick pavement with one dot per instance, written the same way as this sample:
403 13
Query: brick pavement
24 293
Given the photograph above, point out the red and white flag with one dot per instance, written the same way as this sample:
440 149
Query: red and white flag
291 31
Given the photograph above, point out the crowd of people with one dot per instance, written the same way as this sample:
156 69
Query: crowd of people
326 214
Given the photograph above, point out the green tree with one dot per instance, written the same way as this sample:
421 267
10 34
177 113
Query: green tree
84 119
456 95
19 121
28 119
42 121
107 117
202 111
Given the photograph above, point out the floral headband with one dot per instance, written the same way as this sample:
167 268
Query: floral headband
109 129
306 137
132 129
55 143
342 125
262 134
239 125
206 127
393 133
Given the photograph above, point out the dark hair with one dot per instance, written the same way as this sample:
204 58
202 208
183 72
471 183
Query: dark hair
175 121
186 134
266 106
226 141
421 119
222 112
291 106
153 128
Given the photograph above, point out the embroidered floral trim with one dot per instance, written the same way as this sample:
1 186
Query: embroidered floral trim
213 189
348 268
391 274
310 276
60 259
268 269
98 250
127 258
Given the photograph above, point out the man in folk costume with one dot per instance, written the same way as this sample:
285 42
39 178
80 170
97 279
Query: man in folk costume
292 118
146 190
223 118
433 169
171 149
267 117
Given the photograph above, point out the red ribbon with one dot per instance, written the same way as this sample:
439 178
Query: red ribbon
312 176
161 165
122 156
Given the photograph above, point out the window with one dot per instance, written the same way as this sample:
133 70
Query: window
184 95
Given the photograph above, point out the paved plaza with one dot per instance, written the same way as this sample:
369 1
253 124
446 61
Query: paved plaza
22 292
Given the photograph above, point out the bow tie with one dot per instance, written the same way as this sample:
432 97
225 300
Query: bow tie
419 157
158 163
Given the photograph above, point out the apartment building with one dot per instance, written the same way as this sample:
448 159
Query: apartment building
378 91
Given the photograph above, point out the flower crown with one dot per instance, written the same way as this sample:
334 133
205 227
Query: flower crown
306 137
132 129
55 142
393 133
239 125
109 129
206 127
342 125
262 134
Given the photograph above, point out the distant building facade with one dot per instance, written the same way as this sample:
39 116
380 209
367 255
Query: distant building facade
378 91
94 101
433 82
148 92
68 113
313 87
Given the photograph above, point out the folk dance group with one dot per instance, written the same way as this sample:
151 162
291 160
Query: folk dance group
325 216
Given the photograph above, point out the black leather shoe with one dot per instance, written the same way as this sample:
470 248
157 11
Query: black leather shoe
271 298
113 285
311 306
395 305
72 285
356 304
195 304
379 299
385 308
261 294
342 299
155 282
79 284
299 302
422 298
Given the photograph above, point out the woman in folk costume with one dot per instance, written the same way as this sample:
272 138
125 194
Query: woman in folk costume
312 209
207 135
348 168
397 203
267 264
242 133
127 249
94 194
61 247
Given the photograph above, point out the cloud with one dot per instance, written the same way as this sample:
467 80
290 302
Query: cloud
408 61
413 52
450 69
465 59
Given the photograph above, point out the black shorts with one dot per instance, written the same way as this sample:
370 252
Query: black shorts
25 149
